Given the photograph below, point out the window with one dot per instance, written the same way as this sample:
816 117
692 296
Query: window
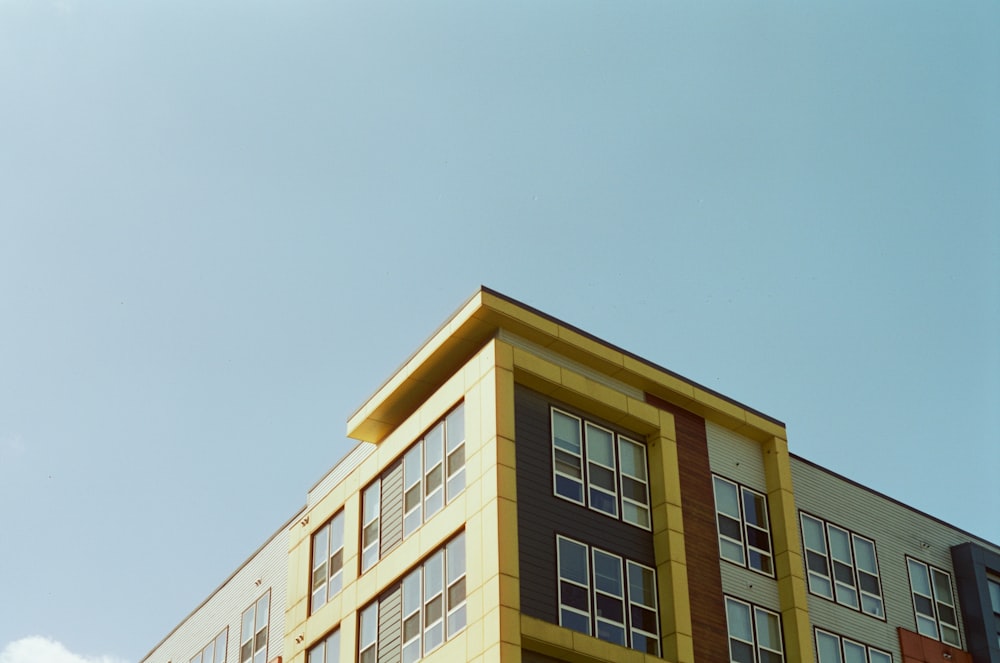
754 633
433 470
214 652
613 481
933 602
368 634
842 566
327 561
253 633
832 648
744 530
327 650
603 595
994 587
371 500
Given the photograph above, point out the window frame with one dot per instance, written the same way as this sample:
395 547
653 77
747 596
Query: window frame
754 612
327 533
373 489
930 570
592 592
622 502
370 611
329 643
830 578
745 525
868 649
214 644
255 634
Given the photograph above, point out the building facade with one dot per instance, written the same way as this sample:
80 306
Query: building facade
523 491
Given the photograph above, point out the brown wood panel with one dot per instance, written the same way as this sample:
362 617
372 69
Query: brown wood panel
701 543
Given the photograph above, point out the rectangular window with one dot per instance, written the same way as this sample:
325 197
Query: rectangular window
368 634
603 595
842 566
614 480
933 602
433 601
754 633
215 651
253 633
832 648
327 650
327 561
744 529
371 507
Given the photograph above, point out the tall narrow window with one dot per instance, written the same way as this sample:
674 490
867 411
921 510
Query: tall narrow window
413 475
842 566
567 456
455 461
601 470
574 585
635 484
368 634
643 608
744 529
370 525
253 634
754 633
433 601
326 650
412 627
434 470
609 597
933 602
327 561
455 556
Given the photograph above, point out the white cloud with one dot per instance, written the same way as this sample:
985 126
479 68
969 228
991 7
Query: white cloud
36 649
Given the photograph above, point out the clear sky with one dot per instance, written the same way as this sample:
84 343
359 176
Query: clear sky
224 224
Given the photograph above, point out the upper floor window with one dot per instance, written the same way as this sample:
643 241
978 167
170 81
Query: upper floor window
933 602
831 648
744 529
842 566
604 595
215 651
327 650
421 612
754 633
430 474
253 633
327 561
598 468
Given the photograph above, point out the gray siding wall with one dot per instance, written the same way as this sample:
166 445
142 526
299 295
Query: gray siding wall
266 569
390 629
541 515
897 531
740 459
391 522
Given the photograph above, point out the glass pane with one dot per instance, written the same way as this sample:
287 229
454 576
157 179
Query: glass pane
876 656
927 626
760 561
433 480
434 610
610 608
456 460
456 558
456 621
413 465
942 586
433 637
433 575
433 446
246 632
602 477
370 499
840 546
738 620
411 652
633 457
611 632
812 532
319 549
641 585
731 551
644 619
768 630
569 488
730 527
727 499
634 490
319 576
220 647
994 586
568 464
411 627
575 621
864 555
317 653
369 625
566 432
455 426
919 579
828 647
740 652
573 561
575 596
645 643
950 635
872 605
755 509
636 515
603 502
411 498
600 446
246 651
412 596
854 653
456 593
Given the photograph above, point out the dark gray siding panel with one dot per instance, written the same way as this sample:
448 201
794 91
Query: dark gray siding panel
392 507
974 564
390 611
541 515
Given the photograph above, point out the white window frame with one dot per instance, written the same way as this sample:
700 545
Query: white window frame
413 484
756 614
583 459
840 592
746 548
591 590
214 651
371 499
326 650
937 619
434 497
871 654
259 632
325 584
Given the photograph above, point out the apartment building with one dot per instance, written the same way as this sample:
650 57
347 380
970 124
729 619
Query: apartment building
523 491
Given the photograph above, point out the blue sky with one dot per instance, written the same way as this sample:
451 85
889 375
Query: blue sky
223 225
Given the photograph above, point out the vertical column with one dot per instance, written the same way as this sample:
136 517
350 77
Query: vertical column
787 551
668 543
